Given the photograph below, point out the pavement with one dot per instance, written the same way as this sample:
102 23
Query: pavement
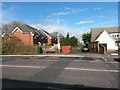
87 54
59 71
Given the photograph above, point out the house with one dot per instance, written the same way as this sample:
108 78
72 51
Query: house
28 35
110 37
54 36
48 36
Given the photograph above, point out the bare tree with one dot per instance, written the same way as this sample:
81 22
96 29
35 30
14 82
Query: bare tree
13 24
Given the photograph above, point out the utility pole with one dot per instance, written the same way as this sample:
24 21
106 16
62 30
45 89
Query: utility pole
58 36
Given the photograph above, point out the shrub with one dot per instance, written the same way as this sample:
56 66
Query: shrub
9 43
13 45
72 41
21 49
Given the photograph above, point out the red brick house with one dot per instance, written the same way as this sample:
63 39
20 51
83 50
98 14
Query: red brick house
29 35
49 38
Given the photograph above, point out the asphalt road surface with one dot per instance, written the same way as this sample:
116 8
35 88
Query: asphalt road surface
59 72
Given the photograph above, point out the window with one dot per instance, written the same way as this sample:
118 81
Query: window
113 35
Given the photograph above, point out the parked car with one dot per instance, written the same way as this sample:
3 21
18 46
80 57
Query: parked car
85 49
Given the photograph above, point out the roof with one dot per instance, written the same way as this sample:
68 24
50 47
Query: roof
33 30
25 28
55 34
45 33
105 32
95 32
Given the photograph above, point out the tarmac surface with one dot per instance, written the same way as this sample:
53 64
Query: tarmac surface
58 72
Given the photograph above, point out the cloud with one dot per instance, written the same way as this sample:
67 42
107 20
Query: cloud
98 16
77 32
61 13
85 22
54 20
67 8
75 10
49 17
97 8
68 11
51 20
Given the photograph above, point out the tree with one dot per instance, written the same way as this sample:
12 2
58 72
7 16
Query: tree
67 35
9 43
13 24
71 41
86 37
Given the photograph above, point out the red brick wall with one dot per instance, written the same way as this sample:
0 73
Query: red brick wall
26 38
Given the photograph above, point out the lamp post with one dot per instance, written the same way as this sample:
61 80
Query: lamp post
58 36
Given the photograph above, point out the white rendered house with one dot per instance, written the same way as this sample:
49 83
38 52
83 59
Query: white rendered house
108 36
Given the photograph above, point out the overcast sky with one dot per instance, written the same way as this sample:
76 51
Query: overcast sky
74 17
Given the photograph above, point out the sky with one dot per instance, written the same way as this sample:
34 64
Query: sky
74 17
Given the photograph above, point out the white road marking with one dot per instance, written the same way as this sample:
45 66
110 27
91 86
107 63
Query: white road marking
47 60
114 54
86 60
80 69
17 66
97 61
50 60
104 59
95 70
113 62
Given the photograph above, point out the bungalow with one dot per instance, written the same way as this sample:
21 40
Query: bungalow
28 35
110 37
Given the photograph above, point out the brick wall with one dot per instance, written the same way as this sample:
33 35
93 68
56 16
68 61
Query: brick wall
26 38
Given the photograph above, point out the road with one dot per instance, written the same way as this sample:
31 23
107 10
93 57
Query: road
73 72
